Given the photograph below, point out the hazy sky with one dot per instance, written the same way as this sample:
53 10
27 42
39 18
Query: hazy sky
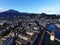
31 6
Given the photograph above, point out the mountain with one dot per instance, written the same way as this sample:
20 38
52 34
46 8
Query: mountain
11 13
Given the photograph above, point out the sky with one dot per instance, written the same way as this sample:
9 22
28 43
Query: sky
31 6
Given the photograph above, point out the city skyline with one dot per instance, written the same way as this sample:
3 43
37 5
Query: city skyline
31 6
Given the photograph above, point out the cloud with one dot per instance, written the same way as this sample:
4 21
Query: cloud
2 10
49 10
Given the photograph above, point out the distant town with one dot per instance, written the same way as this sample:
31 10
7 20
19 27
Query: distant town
17 28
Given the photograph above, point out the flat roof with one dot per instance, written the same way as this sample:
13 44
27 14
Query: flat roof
21 41
27 36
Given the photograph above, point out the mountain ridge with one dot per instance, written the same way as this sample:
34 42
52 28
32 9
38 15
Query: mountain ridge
11 13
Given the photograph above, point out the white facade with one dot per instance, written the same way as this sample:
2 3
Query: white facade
22 37
29 33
